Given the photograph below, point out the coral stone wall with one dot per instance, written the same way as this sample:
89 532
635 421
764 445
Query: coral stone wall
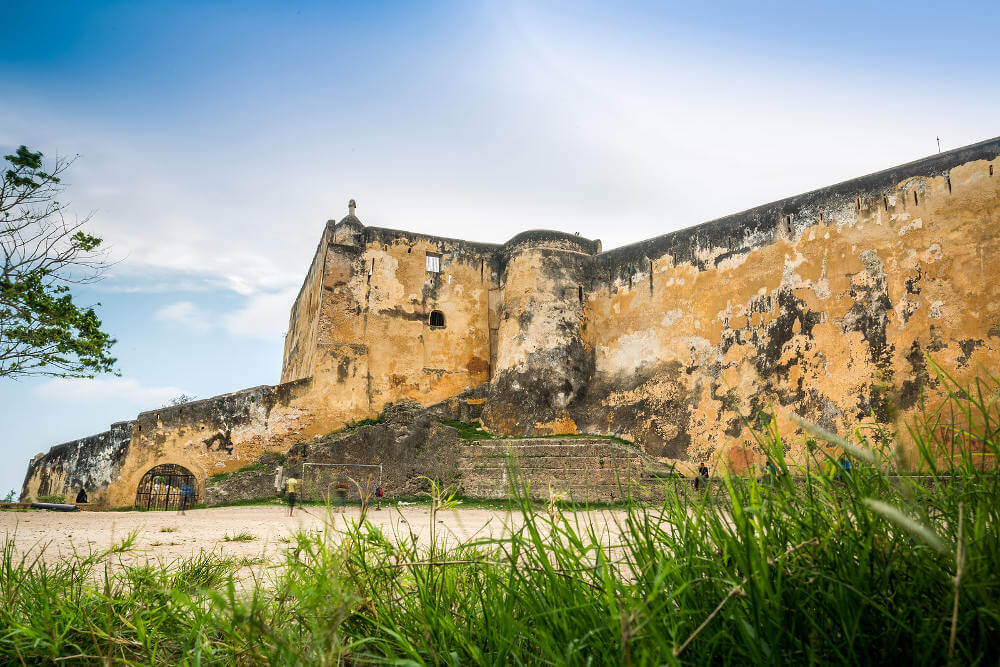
299 358
219 434
90 463
823 305
409 357
543 364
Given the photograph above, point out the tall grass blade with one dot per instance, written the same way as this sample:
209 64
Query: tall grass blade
914 528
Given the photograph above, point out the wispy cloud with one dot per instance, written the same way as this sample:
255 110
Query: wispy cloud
264 315
124 390
185 315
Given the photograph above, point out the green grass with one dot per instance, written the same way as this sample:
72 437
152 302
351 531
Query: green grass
867 568
242 536
52 498
168 529
471 431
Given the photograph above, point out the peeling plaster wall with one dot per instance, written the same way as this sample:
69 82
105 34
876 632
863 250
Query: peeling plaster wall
409 358
219 434
821 305
90 463
543 365
299 357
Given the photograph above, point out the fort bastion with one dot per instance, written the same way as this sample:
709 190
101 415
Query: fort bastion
824 305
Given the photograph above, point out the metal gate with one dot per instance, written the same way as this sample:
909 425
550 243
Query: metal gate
164 486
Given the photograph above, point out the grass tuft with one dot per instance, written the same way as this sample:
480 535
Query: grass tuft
243 536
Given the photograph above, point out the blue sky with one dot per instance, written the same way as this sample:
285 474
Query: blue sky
216 138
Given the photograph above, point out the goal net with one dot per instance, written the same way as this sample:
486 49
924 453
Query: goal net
333 482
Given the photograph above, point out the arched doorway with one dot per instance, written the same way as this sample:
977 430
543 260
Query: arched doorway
162 487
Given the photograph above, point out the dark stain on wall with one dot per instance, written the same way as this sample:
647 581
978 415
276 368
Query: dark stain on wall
220 442
89 463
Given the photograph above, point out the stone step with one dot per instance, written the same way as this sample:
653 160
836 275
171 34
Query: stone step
548 476
577 493
557 448
554 462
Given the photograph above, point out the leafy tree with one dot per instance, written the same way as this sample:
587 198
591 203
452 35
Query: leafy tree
43 253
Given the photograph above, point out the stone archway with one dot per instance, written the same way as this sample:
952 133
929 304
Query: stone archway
162 487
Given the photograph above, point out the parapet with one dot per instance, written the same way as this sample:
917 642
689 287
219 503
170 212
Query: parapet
546 239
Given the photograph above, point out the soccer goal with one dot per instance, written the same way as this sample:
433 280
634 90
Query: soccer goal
331 482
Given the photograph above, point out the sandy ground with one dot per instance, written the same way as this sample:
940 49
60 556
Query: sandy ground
167 535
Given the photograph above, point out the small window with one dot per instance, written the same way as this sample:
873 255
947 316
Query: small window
436 318
433 263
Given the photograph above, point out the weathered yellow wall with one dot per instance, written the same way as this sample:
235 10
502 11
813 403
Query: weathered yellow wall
303 335
409 359
543 365
830 321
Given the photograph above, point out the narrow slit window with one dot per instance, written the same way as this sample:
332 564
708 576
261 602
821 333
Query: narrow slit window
915 197
579 292
433 262
991 170
436 319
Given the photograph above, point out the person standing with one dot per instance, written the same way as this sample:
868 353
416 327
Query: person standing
341 490
701 477
187 497
291 493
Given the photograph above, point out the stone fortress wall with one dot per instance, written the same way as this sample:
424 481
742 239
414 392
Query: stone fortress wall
822 305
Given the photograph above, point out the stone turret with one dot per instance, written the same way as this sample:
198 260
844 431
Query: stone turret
349 231
542 365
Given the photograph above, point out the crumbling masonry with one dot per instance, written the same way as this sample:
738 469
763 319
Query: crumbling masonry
822 304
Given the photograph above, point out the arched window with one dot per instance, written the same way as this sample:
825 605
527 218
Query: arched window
436 319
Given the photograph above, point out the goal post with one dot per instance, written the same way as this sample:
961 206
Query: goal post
330 482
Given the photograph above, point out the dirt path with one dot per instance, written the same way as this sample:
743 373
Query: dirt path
166 535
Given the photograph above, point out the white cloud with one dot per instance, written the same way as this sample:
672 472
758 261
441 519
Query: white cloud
126 390
186 315
264 316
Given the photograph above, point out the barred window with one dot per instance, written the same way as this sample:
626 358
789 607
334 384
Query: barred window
433 263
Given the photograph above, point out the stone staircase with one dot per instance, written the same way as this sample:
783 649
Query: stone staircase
586 469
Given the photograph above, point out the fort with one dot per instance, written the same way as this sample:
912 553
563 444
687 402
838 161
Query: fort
824 305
